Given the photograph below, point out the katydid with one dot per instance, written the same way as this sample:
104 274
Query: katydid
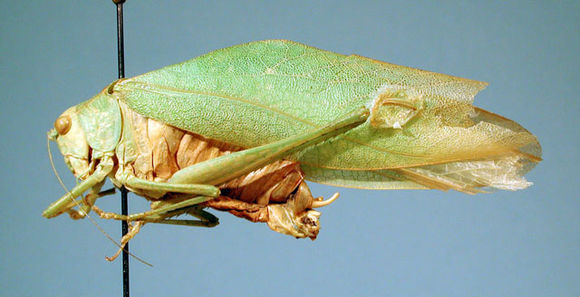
240 129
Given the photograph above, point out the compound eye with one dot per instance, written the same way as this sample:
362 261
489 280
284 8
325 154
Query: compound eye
62 124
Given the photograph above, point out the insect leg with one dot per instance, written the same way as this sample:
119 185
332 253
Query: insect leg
87 202
192 194
161 215
133 230
206 219
67 201
195 189
227 167
158 214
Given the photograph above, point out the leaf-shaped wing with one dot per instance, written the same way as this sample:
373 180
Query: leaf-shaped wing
264 91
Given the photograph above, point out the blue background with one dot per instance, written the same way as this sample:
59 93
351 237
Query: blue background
55 54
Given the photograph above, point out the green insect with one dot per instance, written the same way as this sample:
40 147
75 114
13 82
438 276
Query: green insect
240 129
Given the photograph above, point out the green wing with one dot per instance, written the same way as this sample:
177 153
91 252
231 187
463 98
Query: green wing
259 92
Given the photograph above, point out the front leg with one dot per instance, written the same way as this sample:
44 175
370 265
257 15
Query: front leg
95 180
88 202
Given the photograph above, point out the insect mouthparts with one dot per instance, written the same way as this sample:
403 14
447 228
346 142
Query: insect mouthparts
51 134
